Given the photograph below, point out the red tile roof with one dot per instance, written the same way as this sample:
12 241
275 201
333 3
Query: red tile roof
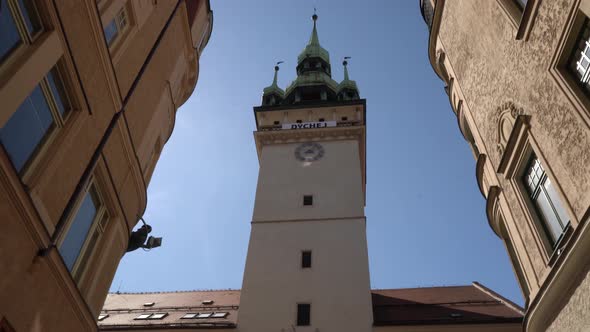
123 308
411 306
443 305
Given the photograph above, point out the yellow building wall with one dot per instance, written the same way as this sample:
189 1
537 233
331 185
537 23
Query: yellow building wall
149 72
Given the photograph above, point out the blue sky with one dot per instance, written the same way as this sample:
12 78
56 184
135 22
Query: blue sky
426 222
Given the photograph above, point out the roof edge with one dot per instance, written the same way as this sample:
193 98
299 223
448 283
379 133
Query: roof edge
177 291
499 297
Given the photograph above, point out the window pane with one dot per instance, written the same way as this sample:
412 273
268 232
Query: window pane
9 37
306 259
521 3
563 217
58 91
25 129
303 314
551 222
30 15
78 231
110 32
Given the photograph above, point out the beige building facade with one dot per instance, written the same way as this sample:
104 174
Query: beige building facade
516 73
307 265
89 92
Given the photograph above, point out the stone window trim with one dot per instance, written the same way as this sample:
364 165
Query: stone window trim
56 56
61 98
519 149
43 159
521 19
29 32
559 67
101 221
113 13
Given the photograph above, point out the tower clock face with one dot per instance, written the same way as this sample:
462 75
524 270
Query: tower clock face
309 152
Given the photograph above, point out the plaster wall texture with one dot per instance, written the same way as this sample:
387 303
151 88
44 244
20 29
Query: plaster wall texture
335 182
337 285
574 315
492 68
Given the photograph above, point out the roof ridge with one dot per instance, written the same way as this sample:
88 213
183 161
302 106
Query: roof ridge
449 303
176 291
424 287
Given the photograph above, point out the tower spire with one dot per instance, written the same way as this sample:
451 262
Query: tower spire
345 64
314 39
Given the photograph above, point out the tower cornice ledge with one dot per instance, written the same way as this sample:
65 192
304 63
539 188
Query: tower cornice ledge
288 136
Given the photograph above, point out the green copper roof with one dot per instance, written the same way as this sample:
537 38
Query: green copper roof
274 86
313 78
313 48
347 82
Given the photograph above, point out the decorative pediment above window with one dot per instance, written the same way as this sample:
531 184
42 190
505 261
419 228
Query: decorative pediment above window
508 114
515 147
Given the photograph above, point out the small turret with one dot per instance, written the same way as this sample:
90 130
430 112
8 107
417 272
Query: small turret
273 95
347 89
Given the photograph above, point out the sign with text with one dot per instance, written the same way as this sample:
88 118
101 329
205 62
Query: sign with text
309 125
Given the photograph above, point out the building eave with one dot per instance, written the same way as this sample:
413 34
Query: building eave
433 36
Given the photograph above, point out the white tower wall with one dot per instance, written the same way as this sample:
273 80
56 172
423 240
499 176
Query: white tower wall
333 229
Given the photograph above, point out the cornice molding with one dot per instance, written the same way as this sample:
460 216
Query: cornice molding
432 54
480 173
305 135
493 209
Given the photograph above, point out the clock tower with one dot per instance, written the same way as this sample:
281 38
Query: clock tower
307 265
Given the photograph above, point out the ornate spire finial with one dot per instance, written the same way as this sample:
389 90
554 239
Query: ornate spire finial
314 40
345 64
274 81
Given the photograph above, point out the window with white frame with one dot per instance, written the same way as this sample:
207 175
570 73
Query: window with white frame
83 231
580 59
115 27
548 206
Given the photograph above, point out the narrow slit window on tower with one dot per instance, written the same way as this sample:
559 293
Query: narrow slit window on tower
303 314
306 259
307 200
